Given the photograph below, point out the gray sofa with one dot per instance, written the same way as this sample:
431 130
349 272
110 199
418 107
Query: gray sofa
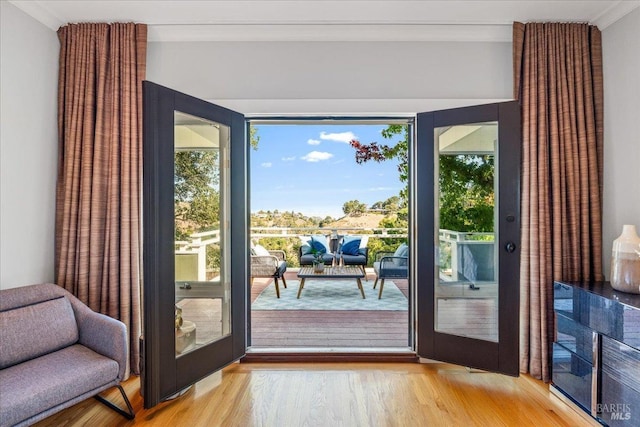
55 353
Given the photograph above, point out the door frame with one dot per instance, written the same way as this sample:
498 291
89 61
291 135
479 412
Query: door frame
402 119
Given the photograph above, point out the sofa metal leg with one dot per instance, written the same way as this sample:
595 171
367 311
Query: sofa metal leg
129 415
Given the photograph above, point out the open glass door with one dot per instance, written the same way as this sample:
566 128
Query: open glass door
195 254
467 210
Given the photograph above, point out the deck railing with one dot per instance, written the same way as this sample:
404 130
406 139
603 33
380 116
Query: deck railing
191 255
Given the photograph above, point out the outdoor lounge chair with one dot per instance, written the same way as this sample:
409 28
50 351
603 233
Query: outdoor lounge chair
266 263
391 266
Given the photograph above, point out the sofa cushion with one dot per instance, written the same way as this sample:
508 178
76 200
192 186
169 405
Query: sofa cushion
37 329
37 385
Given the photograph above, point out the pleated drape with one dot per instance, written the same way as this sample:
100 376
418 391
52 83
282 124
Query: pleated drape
558 81
100 169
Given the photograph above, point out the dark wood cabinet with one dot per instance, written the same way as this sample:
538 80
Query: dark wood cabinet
596 353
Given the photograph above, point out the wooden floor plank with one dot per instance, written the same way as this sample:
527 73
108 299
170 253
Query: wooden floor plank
340 394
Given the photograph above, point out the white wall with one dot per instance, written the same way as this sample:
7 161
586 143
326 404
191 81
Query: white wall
334 77
621 52
28 148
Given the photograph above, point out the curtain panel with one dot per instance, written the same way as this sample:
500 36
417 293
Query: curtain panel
558 81
98 250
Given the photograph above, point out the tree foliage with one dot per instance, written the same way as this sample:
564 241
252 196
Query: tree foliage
466 181
466 192
354 208
254 138
196 191
382 152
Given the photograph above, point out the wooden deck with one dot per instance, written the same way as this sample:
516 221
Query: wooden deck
328 329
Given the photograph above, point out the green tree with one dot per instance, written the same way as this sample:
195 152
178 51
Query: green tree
254 138
354 208
466 192
196 192
466 181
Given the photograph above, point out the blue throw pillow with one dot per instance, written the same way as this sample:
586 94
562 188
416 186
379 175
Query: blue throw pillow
319 243
351 245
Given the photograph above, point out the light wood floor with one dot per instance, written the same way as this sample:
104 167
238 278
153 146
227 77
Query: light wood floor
353 394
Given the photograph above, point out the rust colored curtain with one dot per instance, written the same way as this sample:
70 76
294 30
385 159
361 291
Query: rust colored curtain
100 168
558 81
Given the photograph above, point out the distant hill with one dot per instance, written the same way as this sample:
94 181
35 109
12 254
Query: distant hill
291 219
366 220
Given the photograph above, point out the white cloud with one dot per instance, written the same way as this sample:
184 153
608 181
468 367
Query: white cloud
381 189
313 142
288 159
317 156
266 164
338 137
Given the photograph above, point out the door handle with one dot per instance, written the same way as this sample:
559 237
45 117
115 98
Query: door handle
510 247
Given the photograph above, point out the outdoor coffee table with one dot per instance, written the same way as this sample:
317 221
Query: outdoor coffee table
337 272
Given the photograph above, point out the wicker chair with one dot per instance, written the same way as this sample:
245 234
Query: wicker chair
273 265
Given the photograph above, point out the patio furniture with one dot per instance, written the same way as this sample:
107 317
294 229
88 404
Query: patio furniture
353 251
318 242
336 272
265 263
391 266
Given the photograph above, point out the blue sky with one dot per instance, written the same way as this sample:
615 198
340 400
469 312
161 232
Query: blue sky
311 169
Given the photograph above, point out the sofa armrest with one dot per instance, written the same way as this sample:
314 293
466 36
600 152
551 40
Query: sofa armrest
104 335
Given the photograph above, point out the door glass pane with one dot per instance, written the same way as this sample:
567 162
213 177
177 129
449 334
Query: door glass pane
466 291
202 264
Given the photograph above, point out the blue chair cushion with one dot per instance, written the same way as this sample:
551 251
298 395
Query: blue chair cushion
282 267
351 245
309 258
389 269
359 259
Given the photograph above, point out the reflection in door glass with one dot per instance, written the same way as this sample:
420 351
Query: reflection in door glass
202 265
466 291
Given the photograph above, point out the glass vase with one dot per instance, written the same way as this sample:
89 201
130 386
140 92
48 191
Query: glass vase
625 261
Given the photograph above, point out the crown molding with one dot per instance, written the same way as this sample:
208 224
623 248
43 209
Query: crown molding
379 25
614 13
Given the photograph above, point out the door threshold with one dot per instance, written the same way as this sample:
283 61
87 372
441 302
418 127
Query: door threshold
331 354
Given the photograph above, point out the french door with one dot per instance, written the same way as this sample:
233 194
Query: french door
466 252
195 240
